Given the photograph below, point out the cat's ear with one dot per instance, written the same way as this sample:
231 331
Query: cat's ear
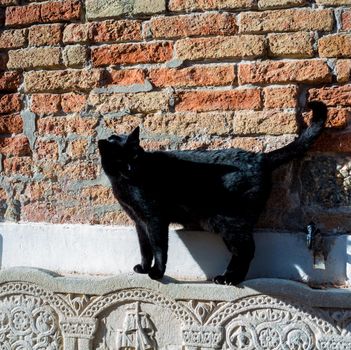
133 138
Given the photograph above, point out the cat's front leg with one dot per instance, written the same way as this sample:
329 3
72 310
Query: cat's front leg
158 236
145 251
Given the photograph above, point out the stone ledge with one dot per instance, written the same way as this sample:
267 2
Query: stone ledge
87 313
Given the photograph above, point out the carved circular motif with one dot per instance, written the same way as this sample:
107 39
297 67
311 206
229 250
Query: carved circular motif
20 321
269 338
298 339
44 321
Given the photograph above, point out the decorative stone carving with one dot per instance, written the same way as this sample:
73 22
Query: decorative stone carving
144 315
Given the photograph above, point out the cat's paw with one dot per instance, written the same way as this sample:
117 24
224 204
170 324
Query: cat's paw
227 279
140 269
155 274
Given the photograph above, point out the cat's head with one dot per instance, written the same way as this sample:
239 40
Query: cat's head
119 153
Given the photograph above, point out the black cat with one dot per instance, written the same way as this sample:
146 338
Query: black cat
221 191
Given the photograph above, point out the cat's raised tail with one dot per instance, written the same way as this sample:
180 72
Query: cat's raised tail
298 147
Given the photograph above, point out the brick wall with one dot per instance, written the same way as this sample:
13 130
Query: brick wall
194 74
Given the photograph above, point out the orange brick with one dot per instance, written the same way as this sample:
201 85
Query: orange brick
21 15
273 4
60 11
301 71
132 53
18 166
218 100
346 20
15 146
73 102
51 126
343 71
336 45
10 103
10 81
280 96
77 149
193 76
332 96
291 20
195 5
114 31
13 39
45 35
125 77
98 195
47 150
46 103
193 25
11 124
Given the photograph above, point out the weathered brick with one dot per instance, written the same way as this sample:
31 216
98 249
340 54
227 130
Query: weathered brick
190 124
11 124
301 71
123 125
74 56
79 170
265 123
193 76
332 96
10 103
290 20
45 35
240 46
77 149
39 57
98 195
10 81
333 2
35 211
132 53
115 218
339 142
125 77
22 15
346 20
45 103
60 11
194 5
193 25
202 101
292 45
343 71
149 102
64 80
337 117
13 39
271 4
115 31
76 33
280 96
252 144
72 124
15 146
335 45
18 166
46 150
8 2
73 102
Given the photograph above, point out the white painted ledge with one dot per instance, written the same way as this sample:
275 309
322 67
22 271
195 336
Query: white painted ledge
193 256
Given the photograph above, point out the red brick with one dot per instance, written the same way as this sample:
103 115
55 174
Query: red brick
15 146
13 39
332 96
10 81
194 25
291 20
132 53
125 77
232 47
115 31
46 103
280 96
346 20
45 35
63 80
73 102
18 166
193 76
11 124
336 45
51 126
338 118
194 5
47 150
61 11
338 142
76 33
10 103
22 15
301 71
219 100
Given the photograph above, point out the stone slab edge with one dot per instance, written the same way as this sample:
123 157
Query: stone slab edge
295 291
